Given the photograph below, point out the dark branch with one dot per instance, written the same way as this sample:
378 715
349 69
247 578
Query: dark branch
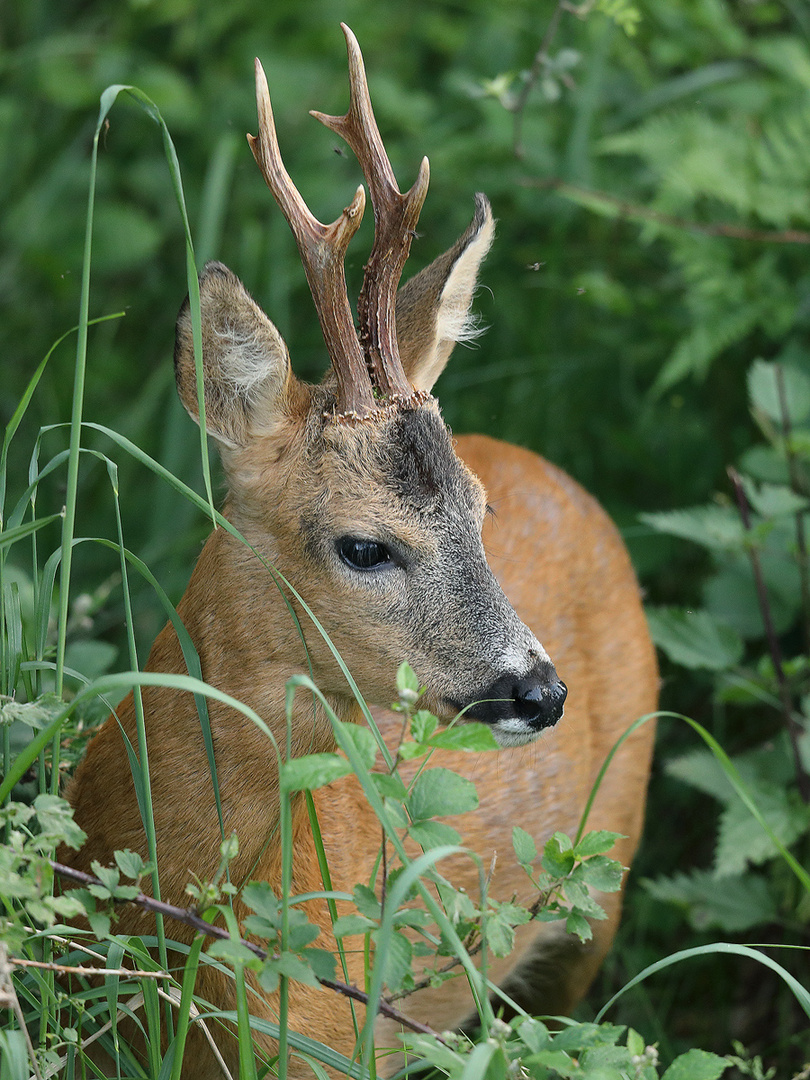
191 918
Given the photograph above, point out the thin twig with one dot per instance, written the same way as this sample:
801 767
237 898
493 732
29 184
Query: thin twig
793 730
66 969
9 999
193 919
635 210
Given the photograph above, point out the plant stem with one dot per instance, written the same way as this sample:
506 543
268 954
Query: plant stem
795 483
793 729
191 918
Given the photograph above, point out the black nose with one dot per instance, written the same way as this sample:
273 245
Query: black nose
537 698
540 703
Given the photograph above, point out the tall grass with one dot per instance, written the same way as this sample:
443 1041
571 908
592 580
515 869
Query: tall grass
35 632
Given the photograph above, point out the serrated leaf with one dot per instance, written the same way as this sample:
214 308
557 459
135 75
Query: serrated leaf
260 898
697 1065
294 967
763 391
321 961
129 863
524 845
347 925
500 936
596 843
558 856
711 526
532 1033
733 904
437 792
740 839
603 873
99 923
313 771
773 500
398 954
694 639
430 834
577 924
234 953
367 902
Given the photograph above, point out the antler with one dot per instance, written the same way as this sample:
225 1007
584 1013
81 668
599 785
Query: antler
395 218
322 249
372 365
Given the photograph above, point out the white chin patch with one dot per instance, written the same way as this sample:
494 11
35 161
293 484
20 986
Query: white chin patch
514 732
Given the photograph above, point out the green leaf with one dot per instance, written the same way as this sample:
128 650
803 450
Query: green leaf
712 526
367 902
423 725
763 391
741 841
773 500
694 639
406 679
348 925
260 898
733 904
474 737
436 792
234 953
364 743
596 843
697 1065
398 953
558 855
524 845
577 924
313 771
430 834
602 873
130 863
321 961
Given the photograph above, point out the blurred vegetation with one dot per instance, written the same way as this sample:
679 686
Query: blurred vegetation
653 197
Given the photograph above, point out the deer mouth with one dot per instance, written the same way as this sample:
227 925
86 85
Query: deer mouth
518 710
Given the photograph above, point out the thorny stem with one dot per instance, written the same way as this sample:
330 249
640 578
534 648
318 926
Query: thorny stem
193 919
793 729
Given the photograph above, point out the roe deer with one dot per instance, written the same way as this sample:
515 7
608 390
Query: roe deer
356 492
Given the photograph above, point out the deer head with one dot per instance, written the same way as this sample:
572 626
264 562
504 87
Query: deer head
352 487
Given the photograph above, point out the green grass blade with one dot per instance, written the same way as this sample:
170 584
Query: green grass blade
724 947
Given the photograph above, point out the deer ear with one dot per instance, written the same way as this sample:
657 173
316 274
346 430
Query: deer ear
246 367
433 308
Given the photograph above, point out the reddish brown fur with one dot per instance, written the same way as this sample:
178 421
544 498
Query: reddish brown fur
299 479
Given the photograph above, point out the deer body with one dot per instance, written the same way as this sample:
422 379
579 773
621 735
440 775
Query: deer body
356 493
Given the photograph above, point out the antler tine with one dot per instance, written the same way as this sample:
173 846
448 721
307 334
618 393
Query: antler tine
395 218
322 249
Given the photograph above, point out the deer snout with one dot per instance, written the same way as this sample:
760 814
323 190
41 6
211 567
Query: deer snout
539 701
519 707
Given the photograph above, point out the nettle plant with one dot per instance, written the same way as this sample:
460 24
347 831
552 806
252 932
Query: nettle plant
752 637
394 933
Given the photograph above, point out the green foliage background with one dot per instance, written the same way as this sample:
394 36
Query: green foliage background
642 260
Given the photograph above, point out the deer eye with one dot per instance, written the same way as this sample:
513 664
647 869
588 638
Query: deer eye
363 554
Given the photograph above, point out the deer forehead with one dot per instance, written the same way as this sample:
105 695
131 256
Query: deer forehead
404 461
